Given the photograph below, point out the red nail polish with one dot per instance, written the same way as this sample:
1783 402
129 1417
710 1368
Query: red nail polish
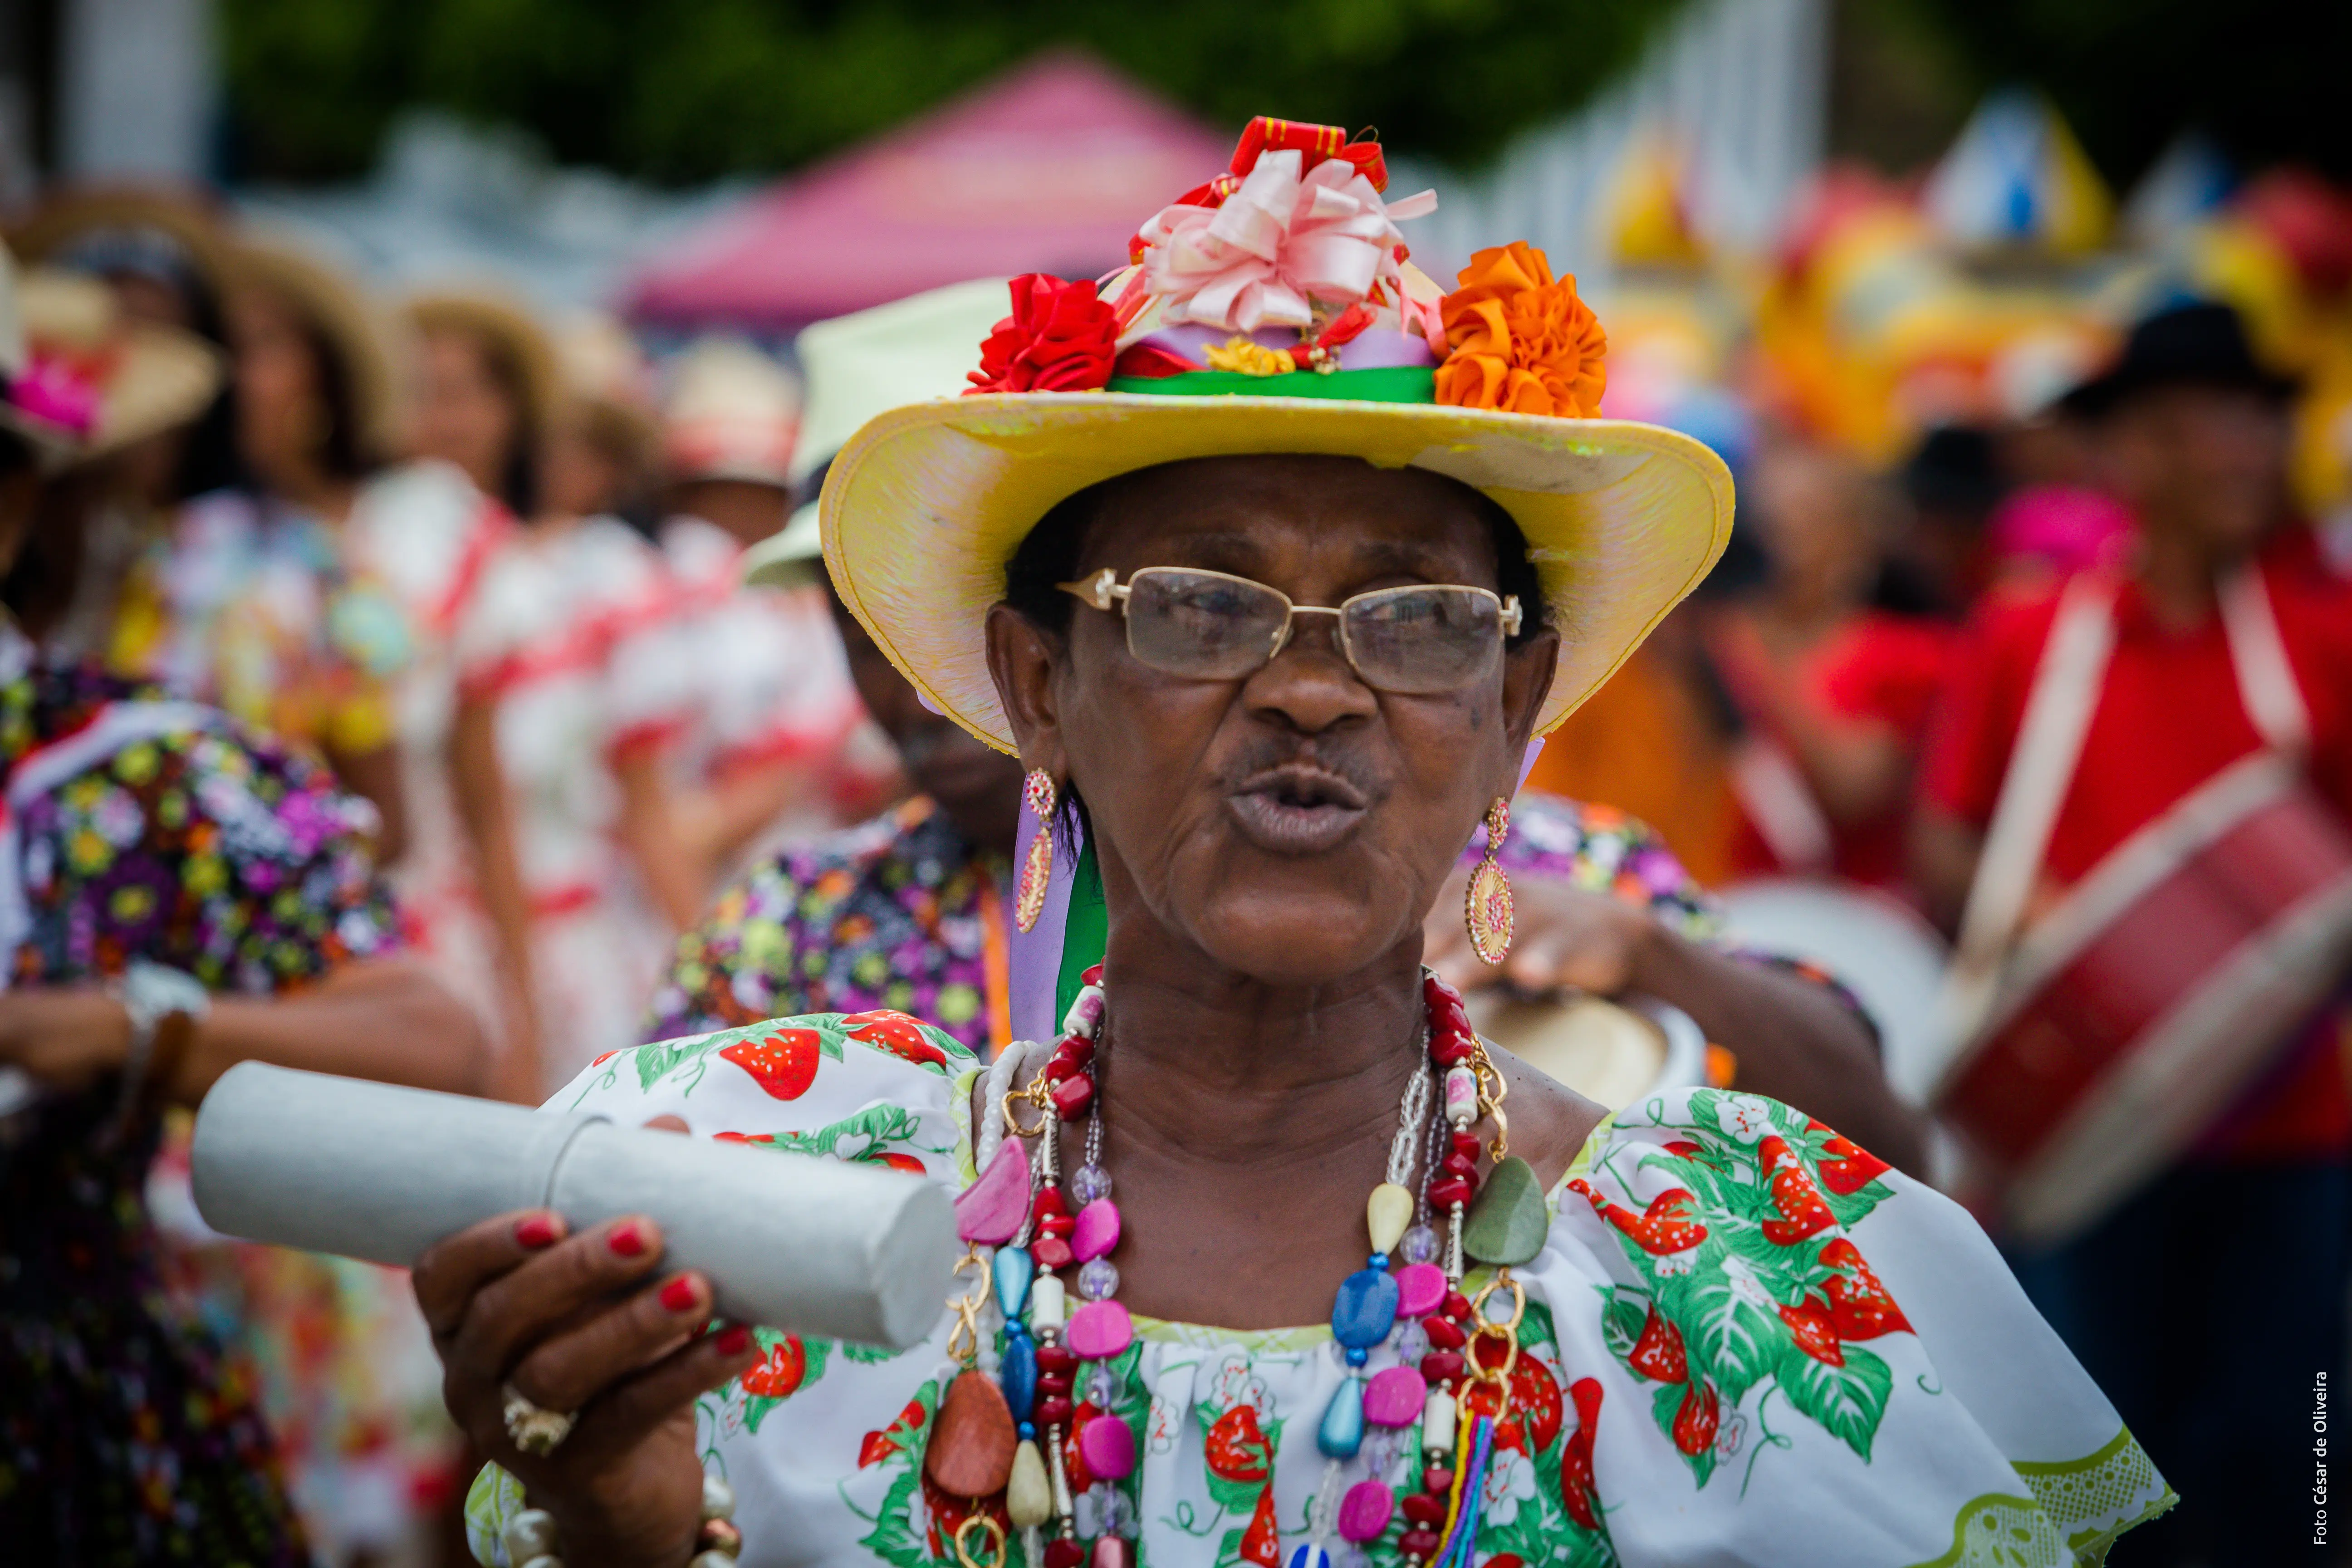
678 1295
535 1231
626 1240
733 1339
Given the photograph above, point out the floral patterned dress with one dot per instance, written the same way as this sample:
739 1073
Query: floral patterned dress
339 637
1745 1341
885 914
144 829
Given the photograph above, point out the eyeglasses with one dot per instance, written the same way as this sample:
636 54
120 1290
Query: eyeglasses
1208 625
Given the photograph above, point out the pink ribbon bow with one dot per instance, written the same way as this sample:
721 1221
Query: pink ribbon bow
1284 242
56 392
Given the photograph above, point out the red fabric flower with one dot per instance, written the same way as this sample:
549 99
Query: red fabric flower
1061 337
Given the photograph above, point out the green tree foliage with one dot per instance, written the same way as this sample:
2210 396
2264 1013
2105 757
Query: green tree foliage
685 89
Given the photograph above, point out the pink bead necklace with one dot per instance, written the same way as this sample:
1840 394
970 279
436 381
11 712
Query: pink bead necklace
1043 1434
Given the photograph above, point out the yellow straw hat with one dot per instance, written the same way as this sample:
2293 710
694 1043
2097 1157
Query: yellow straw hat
347 318
118 222
855 366
1271 311
508 325
88 382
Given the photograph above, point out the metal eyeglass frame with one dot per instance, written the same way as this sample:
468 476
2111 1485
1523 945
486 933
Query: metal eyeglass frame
1104 591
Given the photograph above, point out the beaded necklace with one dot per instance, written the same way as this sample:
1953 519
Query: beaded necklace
1006 1434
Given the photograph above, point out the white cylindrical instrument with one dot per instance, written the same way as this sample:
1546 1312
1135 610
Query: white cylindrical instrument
374 1171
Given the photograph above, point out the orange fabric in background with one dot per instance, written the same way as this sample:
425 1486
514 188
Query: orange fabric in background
1640 744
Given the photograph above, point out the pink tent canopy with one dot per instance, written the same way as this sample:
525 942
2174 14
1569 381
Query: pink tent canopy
1050 168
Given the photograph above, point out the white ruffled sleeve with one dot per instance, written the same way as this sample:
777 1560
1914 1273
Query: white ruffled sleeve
1785 1351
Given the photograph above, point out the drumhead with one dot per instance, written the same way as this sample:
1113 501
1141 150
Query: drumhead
1877 948
1612 1053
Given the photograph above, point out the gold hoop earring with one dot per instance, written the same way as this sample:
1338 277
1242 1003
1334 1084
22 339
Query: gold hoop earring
1486 910
1037 793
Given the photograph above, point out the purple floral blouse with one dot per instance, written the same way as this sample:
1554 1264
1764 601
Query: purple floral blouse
125 1437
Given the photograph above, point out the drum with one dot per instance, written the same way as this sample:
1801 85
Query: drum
2133 1013
1875 946
1612 1053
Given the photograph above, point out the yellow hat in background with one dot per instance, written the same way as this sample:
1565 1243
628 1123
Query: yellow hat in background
83 381
857 366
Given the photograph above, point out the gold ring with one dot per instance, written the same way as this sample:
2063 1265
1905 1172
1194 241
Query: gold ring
533 1429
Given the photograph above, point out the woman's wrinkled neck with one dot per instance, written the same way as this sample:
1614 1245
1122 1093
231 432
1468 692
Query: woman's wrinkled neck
1215 1064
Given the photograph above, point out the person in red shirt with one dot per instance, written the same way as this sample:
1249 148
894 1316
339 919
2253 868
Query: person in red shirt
2204 1301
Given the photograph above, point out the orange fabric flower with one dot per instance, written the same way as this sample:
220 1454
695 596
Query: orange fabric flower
1521 341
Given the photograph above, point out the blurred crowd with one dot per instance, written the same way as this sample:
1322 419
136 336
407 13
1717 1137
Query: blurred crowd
1891 390
488 568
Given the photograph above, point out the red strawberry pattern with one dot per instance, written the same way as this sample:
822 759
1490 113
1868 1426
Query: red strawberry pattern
783 1063
1703 1329
1236 1449
895 1033
1816 1336
1533 1418
1658 1354
1665 1227
891 1439
1576 1489
1846 1166
1859 1306
1697 1419
1262 1541
1803 1211
777 1374
1728 1256
948 1513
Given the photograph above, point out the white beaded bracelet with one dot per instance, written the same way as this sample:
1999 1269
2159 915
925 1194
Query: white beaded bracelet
530 1543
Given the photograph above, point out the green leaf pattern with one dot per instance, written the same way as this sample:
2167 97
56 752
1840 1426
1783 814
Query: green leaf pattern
1724 1296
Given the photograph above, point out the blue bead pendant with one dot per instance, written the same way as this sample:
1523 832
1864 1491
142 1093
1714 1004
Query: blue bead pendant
1306 1554
1014 1270
1342 1432
1017 1376
1364 1310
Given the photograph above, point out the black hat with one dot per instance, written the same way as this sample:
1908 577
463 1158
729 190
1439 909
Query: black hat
1954 469
2197 344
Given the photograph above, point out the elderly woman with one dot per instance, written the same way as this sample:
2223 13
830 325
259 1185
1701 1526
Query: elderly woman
1263 1270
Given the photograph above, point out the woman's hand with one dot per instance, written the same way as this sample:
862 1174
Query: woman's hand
1564 938
584 1324
67 1037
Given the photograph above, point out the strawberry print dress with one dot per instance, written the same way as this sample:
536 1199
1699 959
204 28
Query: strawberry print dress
1745 1341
